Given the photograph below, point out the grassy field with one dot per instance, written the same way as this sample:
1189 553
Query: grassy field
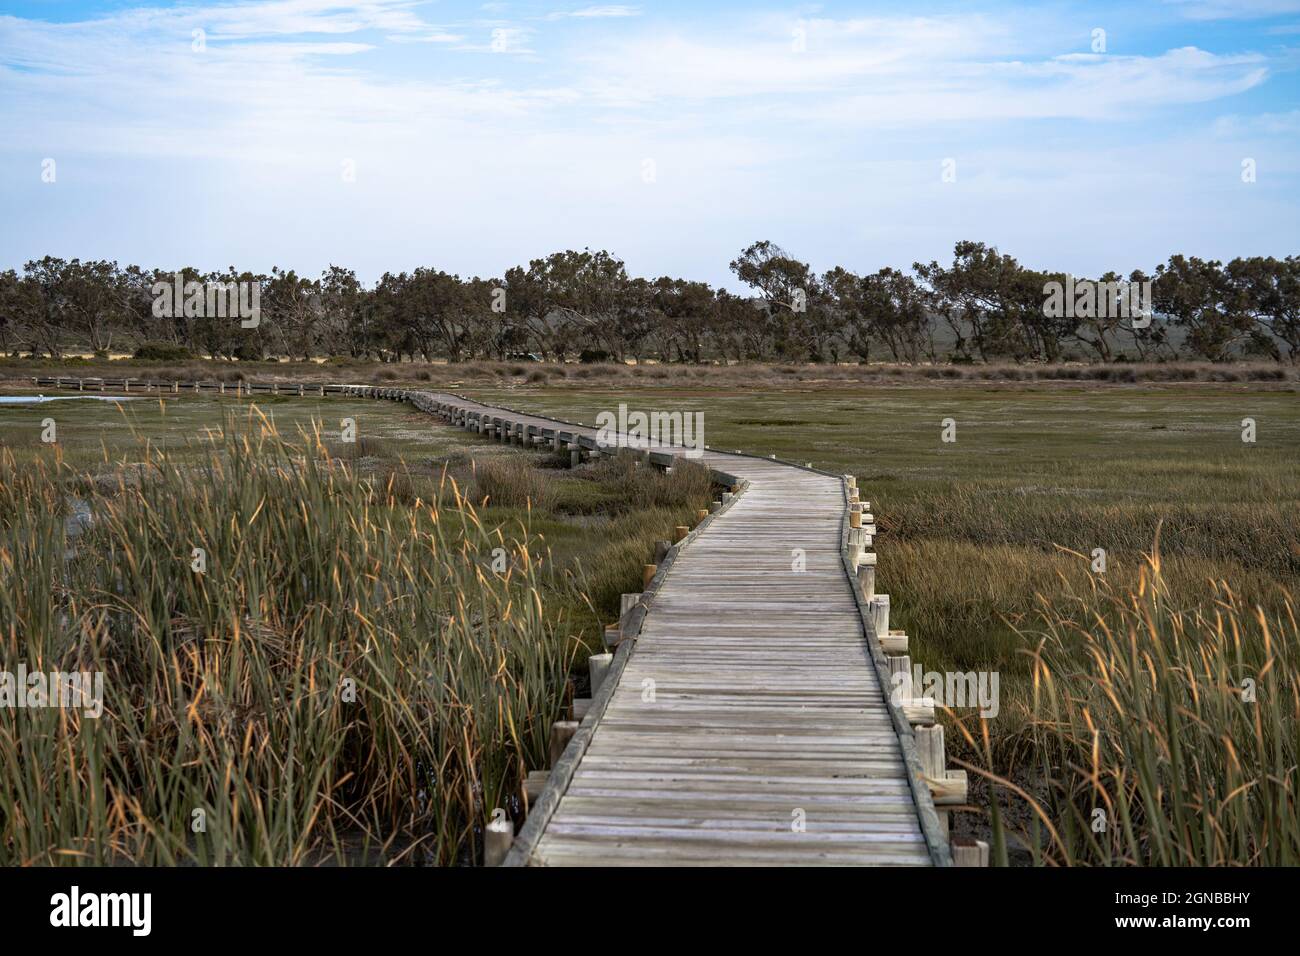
971 531
986 545
599 522
1123 690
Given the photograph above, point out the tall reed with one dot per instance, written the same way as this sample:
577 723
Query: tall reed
350 678
1163 736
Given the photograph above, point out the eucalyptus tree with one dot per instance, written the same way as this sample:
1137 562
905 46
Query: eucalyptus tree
93 298
684 311
42 306
1196 296
347 321
1268 291
792 297
11 311
291 308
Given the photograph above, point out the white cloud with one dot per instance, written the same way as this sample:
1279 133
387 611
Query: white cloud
596 13
1261 124
913 71
272 17
476 162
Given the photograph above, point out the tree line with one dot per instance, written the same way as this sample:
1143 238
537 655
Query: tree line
983 306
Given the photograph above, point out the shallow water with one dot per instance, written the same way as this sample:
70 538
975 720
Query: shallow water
38 399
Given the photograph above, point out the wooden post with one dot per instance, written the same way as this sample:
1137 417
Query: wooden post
598 667
627 602
534 784
648 574
613 635
919 710
497 837
867 576
221 388
968 852
679 533
895 642
661 550
880 614
562 732
900 685
950 789
929 747
701 515
322 391
575 456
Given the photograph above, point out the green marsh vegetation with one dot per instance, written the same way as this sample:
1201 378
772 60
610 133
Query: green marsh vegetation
1124 691
366 666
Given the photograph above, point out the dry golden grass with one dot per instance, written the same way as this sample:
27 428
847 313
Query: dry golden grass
1160 735
346 680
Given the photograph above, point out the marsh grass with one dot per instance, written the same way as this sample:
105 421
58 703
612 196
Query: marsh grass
748 375
1176 727
510 482
347 681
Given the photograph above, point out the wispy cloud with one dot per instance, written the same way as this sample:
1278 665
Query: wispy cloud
822 126
595 13
914 72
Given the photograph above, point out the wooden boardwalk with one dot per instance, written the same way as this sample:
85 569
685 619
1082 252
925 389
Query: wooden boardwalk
746 717
747 723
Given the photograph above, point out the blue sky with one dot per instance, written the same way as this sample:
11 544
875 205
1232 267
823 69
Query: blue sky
388 134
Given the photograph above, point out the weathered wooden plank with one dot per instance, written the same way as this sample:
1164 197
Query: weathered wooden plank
750 693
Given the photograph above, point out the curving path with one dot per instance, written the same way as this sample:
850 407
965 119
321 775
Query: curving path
744 718
746 724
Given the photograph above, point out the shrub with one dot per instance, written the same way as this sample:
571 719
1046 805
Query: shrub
509 482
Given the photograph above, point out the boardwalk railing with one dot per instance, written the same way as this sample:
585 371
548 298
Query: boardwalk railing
755 706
